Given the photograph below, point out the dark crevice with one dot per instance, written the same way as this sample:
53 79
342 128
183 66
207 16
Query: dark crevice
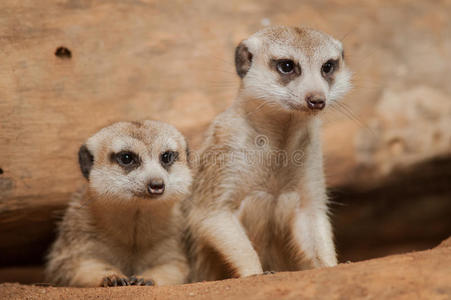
408 211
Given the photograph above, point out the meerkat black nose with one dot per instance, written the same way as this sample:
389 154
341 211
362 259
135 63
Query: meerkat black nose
315 101
155 187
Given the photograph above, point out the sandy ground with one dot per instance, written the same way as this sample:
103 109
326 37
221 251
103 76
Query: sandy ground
417 275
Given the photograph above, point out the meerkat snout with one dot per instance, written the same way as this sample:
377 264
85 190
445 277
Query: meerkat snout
156 187
315 101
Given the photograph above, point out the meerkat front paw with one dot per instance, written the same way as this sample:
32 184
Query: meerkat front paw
114 280
264 273
133 280
268 272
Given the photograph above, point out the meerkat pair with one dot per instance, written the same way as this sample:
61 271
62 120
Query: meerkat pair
258 201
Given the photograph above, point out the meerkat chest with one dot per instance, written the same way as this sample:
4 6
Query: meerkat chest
266 170
131 243
130 229
269 170
261 190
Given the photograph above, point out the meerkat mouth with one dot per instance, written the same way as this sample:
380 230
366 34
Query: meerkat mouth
146 195
301 107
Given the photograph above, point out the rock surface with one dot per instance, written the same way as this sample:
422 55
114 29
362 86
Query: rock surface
417 275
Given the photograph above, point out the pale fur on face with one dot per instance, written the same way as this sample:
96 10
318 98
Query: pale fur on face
307 47
148 140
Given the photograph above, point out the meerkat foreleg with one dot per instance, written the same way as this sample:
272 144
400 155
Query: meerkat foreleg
312 233
93 272
224 232
166 274
311 243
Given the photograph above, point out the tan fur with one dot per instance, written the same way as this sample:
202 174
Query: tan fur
109 231
259 195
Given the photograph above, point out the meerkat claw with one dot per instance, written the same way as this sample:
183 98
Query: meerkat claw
140 281
114 281
148 283
265 273
269 272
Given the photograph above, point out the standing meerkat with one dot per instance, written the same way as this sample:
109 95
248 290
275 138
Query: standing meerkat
259 196
126 227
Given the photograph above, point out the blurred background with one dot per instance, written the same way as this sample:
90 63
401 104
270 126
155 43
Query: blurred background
70 67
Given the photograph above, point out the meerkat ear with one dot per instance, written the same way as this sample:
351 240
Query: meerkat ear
86 160
243 59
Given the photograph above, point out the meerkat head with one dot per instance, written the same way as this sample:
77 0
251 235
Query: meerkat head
146 159
292 68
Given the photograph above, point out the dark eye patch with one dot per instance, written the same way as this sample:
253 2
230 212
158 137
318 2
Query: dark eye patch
329 67
167 158
328 70
287 68
128 160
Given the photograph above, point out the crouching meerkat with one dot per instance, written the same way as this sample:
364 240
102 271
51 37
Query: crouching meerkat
126 227
259 197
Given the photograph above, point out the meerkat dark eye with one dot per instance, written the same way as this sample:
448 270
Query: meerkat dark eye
328 67
285 66
167 158
126 158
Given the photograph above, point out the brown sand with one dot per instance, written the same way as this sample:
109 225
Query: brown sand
417 275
